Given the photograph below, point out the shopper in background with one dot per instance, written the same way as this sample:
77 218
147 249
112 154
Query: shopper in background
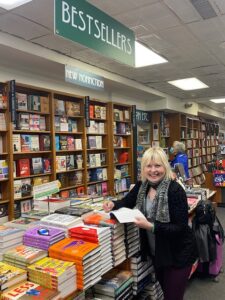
181 157
164 233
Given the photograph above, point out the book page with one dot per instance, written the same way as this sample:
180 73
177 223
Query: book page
127 215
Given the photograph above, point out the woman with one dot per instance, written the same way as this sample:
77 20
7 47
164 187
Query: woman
180 157
164 233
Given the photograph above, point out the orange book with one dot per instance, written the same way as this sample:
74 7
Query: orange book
99 219
91 111
73 249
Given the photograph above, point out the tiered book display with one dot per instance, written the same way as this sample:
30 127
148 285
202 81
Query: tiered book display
122 145
97 149
4 154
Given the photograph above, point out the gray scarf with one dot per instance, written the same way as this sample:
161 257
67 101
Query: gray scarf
160 209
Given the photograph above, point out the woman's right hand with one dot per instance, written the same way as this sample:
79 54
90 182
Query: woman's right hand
108 205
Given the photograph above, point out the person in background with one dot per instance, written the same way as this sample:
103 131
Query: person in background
164 232
181 157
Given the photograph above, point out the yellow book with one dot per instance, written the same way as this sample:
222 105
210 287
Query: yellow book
10 275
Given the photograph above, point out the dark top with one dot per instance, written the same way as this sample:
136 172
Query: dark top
181 158
174 242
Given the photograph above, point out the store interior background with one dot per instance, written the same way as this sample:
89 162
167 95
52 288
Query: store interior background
191 38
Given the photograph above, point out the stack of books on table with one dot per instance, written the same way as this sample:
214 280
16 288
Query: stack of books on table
100 235
117 234
152 291
143 273
42 237
116 284
132 241
60 221
23 223
9 238
10 275
85 255
51 204
28 290
23 256
118 245
75 211
35 214
54 274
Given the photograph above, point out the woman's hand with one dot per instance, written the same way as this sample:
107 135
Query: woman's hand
108 205
143 223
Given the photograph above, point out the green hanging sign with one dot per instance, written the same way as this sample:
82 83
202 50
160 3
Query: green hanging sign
81 22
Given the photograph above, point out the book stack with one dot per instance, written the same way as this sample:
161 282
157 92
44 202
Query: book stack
54 274
10 275
75 211
29 290
22 256
23 223
86 257
143 272
42 238
116 284
117 234
51 204
35 214
118 245
9 238
152 291
132 241
61 221
100 235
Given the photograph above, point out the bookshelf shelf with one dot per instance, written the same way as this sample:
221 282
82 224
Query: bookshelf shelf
24 198
33 112
95 182
32 131
68 133
31 152
96 149
69 151
69 171
103 166
4 180
71 187
32 176
4 202
4 153
99 120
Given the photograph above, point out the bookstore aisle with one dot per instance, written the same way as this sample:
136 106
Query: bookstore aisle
206 288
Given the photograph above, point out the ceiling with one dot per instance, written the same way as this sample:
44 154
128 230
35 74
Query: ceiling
190 34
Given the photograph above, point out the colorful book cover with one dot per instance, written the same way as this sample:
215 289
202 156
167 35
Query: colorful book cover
25 254
29 290
99 219
72 108
72 248
8 233
41 233
10 275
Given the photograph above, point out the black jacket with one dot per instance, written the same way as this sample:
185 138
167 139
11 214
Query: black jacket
174 241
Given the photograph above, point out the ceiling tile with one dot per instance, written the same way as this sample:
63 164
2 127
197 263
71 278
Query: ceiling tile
21 27
184 10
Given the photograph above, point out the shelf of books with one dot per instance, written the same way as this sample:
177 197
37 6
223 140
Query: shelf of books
69 143
98 149
31 142
5 199
122 145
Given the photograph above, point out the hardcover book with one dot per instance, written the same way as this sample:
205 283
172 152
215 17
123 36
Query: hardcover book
45 142
37 165
16 143
25 143
73 108
23 167
21 100
8 233
44 104
59 107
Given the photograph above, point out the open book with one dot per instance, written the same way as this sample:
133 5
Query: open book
127 215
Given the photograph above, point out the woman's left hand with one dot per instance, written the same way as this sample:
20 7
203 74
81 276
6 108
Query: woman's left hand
143 223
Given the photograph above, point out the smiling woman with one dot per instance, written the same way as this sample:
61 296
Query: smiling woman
164 231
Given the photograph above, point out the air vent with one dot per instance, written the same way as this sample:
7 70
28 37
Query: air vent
204 8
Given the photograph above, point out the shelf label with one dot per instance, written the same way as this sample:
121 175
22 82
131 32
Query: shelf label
83 23
133 116
83 78
12 101
143 116
46 189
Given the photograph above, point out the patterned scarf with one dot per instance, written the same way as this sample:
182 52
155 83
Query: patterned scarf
160 209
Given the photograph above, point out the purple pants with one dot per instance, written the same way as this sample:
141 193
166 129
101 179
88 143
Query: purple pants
173 282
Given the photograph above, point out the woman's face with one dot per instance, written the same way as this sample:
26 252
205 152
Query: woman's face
154 171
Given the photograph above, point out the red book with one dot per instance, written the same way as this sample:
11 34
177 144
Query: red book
23 167
81 230
91 111
123 157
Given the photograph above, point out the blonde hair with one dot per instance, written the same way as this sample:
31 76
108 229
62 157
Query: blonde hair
157 155
179 146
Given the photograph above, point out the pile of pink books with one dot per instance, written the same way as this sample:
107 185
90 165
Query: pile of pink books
42 237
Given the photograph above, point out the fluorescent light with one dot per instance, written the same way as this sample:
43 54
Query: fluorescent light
10 4
189 84
221 100
146 57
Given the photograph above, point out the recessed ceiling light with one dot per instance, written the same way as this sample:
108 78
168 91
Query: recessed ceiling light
10 4
220 100
189 84
146 57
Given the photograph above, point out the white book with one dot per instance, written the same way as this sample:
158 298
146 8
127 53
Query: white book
16 143
126 215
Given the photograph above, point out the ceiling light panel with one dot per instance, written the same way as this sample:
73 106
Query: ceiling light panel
188 84
10 4
220 100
